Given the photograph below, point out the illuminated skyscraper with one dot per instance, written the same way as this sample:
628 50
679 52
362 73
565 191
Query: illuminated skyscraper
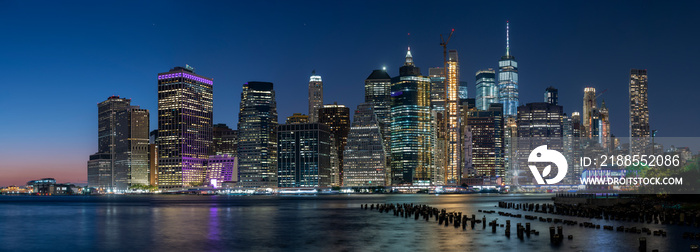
454 147
486 128
131 163
364 156
604 138
304 155
315 96
185 109
101 164
639 112
539 123
257 136
337 117
410 125
378 93
508 80
486 89
589 104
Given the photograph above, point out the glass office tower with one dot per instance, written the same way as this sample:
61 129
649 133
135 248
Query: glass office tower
508 80
257 136
410 125
486 89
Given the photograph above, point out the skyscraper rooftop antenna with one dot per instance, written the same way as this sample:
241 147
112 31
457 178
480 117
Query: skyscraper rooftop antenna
507 38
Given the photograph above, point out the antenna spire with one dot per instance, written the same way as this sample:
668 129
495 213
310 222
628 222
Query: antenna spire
507 38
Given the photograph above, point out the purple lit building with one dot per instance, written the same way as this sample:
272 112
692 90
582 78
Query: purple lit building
221 168
185 110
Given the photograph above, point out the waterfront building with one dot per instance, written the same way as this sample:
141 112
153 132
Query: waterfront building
101 164
131 163
486 89
337 117
639 112
508 80
257 136
486 128
221 168
411 157
122 157
297 118
315 96
304 155
364 155
185 110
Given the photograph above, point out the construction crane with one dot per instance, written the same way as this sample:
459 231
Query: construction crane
601 93
446 116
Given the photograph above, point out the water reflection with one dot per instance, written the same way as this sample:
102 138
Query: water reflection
261 223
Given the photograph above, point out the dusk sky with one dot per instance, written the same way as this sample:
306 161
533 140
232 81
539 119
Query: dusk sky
59 59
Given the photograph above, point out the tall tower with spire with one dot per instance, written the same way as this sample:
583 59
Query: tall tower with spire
508 80
315 96
411 137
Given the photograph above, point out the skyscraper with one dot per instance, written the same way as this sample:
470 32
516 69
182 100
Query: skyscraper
378 93
454 147
185 109
551 95
304 155
364 155
315 96
101 164
508 80
257 132
486 89
410 125
486 128
463 92
131 163
589 104
539 123
639 112
337 117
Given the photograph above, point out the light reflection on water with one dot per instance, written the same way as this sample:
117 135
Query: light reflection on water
270 223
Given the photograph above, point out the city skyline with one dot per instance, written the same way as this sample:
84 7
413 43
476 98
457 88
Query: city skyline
77 126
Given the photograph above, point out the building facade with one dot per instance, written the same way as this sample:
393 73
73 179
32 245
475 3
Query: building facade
185 110
337 117
487 141
131 164
453 167
411 137
364 155
257 132
304 155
